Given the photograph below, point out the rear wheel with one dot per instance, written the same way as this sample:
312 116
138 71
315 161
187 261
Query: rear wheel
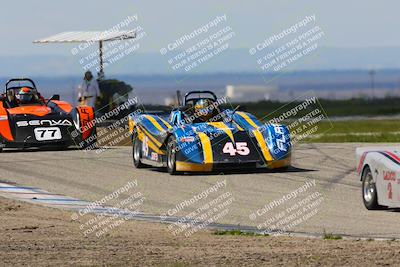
284 168
137 151
369 193
91 141
171 156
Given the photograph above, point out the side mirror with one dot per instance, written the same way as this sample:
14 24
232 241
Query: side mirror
55 97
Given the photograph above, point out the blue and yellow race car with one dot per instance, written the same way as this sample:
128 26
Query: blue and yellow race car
201 136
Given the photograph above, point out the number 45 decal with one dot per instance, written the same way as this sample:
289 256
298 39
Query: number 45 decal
241 149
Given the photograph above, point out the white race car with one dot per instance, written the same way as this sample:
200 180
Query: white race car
379 171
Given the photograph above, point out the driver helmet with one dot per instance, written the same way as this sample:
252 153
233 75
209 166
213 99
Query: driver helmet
204 109
25 95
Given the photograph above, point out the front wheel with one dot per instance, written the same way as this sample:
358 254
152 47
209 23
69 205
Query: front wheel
62 147
137 151
171 156
369 193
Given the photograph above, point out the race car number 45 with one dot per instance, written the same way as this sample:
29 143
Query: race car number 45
47 133
241 149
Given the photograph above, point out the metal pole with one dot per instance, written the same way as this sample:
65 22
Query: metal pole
101 73
179 97
372 74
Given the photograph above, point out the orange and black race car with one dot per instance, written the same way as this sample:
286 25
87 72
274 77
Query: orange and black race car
27 119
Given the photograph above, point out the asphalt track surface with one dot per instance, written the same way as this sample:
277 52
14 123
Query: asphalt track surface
90 176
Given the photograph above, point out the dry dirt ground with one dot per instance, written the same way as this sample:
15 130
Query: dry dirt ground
40 236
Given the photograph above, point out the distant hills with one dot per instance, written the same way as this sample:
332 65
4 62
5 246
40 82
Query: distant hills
234 60
333 73
328 84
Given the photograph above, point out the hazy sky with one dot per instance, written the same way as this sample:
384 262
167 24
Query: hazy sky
345 23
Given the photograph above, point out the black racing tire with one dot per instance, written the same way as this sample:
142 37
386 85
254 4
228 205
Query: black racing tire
62 147
91 142
368 191
284 169
137 151
171 156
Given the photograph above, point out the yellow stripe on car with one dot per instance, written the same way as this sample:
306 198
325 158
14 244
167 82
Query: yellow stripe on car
155 148
131 124
182 166
281 163
141 134
150 136
206 144
248 119
166 123
263 145
238 126
155 123
222 126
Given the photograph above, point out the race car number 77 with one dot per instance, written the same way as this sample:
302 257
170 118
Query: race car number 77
241 149
47 133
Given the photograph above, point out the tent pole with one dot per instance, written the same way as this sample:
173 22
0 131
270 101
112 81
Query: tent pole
101 73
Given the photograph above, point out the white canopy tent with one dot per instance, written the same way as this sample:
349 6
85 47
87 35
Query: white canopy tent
89 37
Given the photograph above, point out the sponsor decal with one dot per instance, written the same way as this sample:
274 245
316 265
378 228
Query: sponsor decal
389 175
76 123
187 139
389 191
280 142
154 156
64 122
86 117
